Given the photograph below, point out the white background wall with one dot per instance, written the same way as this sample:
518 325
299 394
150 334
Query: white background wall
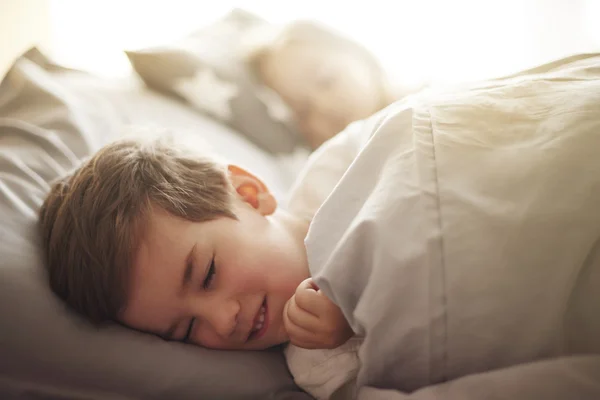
23 23
439 40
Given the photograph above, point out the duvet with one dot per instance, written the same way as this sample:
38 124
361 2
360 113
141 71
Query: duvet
463 242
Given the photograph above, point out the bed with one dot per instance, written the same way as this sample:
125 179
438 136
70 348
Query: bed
453 345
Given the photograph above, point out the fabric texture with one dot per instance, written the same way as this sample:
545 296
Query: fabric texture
207 69
325 373
50 118
463 242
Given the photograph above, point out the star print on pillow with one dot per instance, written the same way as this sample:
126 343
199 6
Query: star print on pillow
207 70
208 92
276 108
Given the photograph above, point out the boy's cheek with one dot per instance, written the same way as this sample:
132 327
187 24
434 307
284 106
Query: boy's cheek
284 286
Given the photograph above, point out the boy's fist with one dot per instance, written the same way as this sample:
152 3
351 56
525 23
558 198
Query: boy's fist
312 321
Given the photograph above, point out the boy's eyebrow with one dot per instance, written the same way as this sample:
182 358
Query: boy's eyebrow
188 272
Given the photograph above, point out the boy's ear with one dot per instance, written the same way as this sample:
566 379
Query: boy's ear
252 190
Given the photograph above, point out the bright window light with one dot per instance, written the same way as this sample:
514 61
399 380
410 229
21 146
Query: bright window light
417 40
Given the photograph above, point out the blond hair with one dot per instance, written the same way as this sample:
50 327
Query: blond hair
263 42
93 219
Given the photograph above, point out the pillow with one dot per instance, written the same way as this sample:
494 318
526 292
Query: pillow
207 70
51 117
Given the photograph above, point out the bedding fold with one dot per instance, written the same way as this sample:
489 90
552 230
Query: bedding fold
464 237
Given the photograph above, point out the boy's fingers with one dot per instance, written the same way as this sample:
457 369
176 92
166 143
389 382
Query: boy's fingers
298 336
308 284
300 317
289 314
311 301
286 320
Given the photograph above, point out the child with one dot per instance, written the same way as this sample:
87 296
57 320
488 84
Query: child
173 243
327 80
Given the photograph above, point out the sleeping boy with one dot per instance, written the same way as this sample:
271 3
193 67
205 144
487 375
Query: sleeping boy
427 241
170 241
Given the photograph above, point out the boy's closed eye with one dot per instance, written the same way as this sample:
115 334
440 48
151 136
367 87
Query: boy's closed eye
206 285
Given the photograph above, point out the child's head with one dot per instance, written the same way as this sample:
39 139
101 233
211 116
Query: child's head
151 235
326 79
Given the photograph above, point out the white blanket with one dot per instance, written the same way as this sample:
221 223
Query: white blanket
464 241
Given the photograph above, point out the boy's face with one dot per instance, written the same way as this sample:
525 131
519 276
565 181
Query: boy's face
326 87
215 283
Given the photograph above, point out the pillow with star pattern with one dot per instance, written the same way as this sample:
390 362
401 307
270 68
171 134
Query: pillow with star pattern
207 70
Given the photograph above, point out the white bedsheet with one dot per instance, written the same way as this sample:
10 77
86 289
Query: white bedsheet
464 241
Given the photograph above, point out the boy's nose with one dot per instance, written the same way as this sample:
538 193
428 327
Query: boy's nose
223 317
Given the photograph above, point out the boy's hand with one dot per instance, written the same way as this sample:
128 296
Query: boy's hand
312 321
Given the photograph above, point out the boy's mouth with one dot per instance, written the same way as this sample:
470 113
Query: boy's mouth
261 322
